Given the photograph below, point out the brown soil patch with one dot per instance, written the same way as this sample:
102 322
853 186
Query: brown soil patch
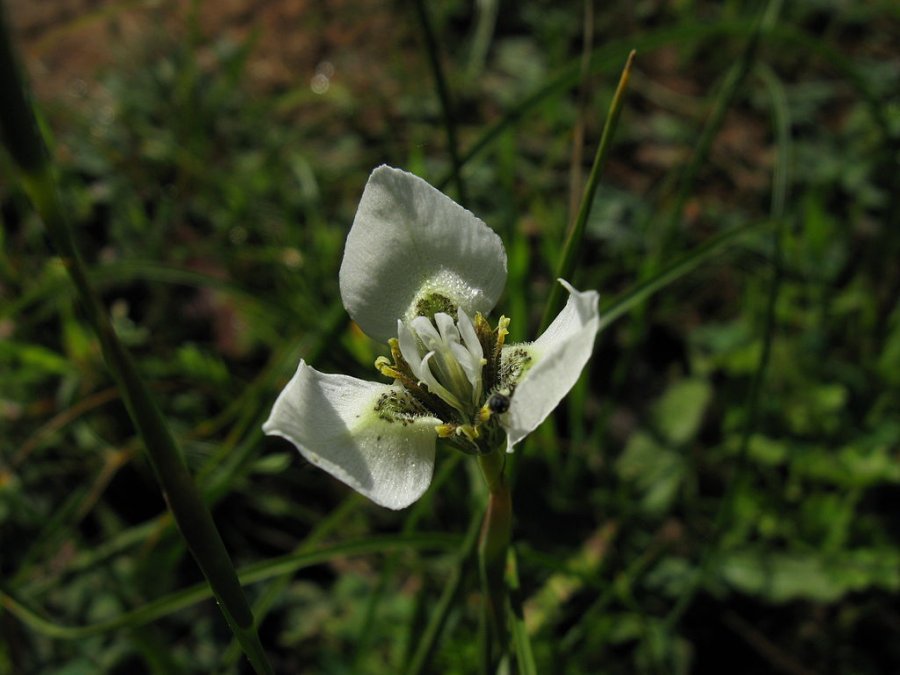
65 43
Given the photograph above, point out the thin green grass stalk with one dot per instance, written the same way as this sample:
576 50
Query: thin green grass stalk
482 35
781 36
22 137
428 642
576 231
255 573
521 641
447 110
493 544
418 511
780 187
576 172
617 308
275 590
734 79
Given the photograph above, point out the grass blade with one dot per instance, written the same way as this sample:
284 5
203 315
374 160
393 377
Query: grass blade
443 91
173 602
780 187
576 232
428 641
22 137
521 641
640 293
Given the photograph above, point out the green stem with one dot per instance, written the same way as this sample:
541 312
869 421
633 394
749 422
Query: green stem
496 533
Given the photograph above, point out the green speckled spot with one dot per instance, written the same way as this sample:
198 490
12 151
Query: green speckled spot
431 304
399 406
515 363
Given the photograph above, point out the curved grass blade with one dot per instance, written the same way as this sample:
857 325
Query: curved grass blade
609 312
173 602
21 135
781 121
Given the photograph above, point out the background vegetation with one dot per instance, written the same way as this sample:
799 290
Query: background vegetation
720 492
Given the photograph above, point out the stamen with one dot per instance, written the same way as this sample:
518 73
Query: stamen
445 430
448 363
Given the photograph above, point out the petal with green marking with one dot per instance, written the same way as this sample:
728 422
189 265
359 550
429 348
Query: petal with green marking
413 250
550 366
373 437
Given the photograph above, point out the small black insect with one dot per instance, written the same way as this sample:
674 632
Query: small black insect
498 403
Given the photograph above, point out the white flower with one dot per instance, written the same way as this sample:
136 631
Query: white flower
421 272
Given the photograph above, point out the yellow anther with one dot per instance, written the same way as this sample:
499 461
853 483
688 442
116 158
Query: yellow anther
469 431
481 324
394 344
445 430
502 331
385 367
484 414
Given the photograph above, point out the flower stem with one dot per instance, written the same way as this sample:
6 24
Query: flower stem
496 532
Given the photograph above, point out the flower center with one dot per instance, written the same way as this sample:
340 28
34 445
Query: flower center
453 369
447 357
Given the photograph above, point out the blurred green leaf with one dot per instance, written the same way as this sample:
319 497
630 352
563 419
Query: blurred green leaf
679 413
655 471
784 577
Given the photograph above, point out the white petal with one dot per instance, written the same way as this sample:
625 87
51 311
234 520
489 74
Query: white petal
470 357
408 241
447 328
435 387
468 334
426 332
558 357
332 421
409 348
